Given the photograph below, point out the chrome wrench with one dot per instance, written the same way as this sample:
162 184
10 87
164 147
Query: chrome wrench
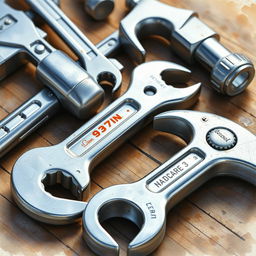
190 38
70 162
38 109
33 113
89 57
216 146
21 41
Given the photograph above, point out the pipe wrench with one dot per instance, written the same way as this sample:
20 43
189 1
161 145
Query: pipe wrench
216 146
190 38
39 108
70 162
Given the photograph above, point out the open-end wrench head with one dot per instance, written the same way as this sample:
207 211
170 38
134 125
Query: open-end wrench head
149 17
158 77
70 162
130 205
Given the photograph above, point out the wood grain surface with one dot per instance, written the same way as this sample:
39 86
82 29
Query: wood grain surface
219 218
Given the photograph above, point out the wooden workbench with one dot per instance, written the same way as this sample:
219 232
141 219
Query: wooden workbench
217 219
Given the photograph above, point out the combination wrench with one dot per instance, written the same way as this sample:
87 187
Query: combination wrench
39 108
216 146
190 38
70 162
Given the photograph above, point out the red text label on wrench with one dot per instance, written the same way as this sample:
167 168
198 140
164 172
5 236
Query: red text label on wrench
89 138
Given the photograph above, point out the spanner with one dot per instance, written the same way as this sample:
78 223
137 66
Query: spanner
90 58
20 40
190 38
216 146
70 162
38 109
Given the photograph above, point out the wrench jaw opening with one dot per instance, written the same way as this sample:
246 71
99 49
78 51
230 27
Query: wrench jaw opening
149 17
131 205
31 173
172 124
157 79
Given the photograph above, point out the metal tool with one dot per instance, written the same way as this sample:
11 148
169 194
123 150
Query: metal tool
70 162
190 38
216 146
38 109
89 57
99 9
21 41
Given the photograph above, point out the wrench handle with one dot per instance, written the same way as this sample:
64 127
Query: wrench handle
65 28
40 108
111 127
27 118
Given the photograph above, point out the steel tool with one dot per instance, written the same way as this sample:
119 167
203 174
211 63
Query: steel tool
70 162
89 57
190 38
216 146
97 9
21 41
38 109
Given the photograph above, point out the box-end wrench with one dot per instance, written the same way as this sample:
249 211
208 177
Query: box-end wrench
36 111
20 40
216 146
71 161
190 38
89 57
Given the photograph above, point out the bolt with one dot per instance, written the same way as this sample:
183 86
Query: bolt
204 119
8 21
40 48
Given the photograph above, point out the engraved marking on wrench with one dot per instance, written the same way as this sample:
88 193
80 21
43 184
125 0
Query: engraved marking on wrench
174 172
89 138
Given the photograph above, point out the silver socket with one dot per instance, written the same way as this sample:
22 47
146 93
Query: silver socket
99 9
232 74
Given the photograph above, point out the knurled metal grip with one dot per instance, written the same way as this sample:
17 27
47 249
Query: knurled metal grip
72 85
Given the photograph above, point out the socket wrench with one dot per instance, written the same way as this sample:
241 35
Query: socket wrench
216 146
70 162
